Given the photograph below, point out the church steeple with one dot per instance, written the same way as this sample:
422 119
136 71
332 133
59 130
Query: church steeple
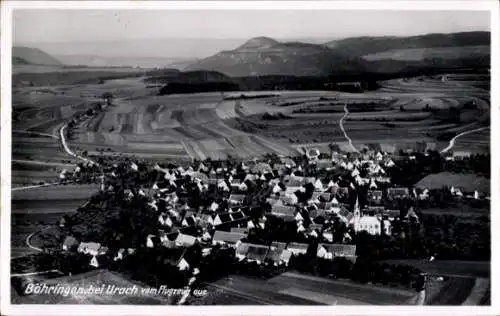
357 214
357 211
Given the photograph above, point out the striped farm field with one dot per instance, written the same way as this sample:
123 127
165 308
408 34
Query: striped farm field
172 148
40 149
388 115
60 192
413 54
203 125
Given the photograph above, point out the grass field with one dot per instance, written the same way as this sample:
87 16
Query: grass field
36 209
416 54
60 192
208 125
298 289
452 268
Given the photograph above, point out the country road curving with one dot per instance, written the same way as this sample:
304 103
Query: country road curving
69 151
452 141
341 124
28 239
35 133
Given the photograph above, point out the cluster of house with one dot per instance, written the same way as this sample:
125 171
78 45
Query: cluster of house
228 220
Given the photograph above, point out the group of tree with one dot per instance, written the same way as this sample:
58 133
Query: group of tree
361 270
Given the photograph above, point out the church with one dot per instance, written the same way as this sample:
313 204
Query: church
374 225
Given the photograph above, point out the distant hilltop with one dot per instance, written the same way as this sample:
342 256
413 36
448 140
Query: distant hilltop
265 56
27 55
261 56
361 46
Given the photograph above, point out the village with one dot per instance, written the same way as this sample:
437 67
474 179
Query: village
267 212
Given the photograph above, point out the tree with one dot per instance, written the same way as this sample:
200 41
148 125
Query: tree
333 147
107 96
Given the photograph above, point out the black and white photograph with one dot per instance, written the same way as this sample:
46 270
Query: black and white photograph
261 156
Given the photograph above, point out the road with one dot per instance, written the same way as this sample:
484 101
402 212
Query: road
35 133
28 239
43 163
452 141
341 124
69 151
32 273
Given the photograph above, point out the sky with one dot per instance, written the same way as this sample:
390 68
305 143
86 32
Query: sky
78 26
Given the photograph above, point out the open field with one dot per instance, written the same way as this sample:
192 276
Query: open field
464 211
467 182
16 69
60 192
416 54
36 160
452 291
452 268
474 142
298 289
36 209
203 125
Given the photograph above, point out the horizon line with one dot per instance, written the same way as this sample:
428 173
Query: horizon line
313 37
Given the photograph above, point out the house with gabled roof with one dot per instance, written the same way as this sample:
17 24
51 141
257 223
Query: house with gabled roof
222 185
391 214
184 240
325 197
241 230
166 220
410 214
326 207
272 200
288 162
374 196
281 210
324 164
345 215
294 181
314 226
278 245
176 258
251 177
373 210
231 238
168 240
251 252
222 218
398 193
330 251
278 256
90 248
236 199
297 248
69 243
94 262
315 197
261 168
239 215
189 221
257 253
152 241
289 198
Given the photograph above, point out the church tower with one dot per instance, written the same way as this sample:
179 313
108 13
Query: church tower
102 183
357 214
